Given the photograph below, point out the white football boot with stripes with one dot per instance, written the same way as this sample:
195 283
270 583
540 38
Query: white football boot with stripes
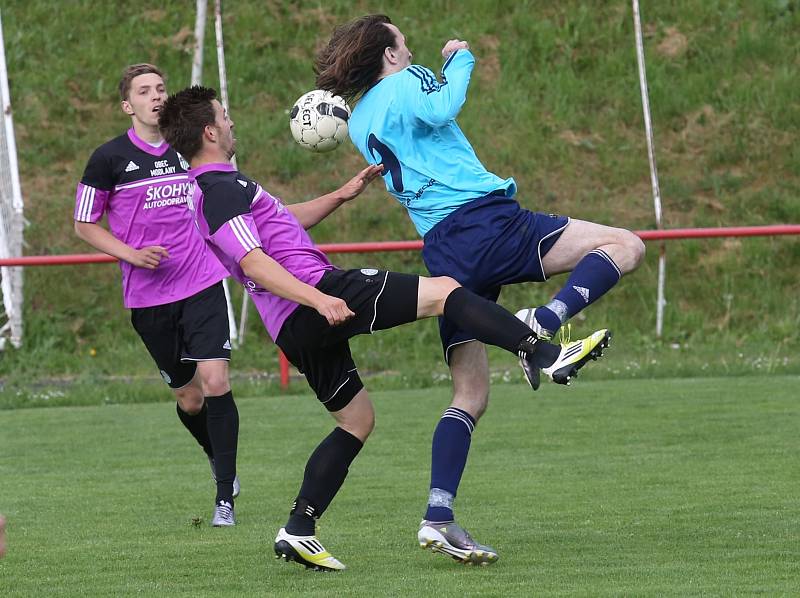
306 551
574 354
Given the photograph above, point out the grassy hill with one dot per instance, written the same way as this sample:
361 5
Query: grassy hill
554 102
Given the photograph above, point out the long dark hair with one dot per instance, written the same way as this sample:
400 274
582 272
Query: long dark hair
353 58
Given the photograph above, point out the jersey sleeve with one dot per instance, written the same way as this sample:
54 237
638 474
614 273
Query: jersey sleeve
91 197
438 103
231 227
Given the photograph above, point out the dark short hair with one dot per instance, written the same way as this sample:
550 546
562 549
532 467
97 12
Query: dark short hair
352 61
184 116
132 72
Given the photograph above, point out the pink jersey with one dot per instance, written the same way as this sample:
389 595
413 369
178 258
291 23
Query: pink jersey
235 216
144 190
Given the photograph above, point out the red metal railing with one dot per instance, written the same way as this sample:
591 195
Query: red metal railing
375 247
379 246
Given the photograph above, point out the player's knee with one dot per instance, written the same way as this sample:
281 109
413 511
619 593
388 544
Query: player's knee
216 384
636 250
367 425
474 401
433 292
358 417
444 286
361 424
190 399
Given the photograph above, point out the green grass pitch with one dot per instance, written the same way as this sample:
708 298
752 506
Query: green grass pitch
636 487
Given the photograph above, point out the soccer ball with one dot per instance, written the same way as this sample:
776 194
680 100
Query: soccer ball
318 120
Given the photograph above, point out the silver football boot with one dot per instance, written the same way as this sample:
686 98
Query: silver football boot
453 540
223 515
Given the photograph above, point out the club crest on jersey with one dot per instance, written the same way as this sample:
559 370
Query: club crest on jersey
184 164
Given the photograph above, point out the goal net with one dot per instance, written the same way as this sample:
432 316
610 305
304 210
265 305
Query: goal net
11 221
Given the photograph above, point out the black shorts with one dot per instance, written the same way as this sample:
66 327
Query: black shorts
379 299
181 333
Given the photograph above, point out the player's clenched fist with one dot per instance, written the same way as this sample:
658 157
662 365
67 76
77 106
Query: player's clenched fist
333 309
452 45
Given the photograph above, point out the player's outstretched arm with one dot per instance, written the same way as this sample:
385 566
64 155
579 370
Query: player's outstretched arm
269 274
310 213
437 104
99 238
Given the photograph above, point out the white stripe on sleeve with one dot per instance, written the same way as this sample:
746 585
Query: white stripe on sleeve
246 232
87 203
79 211
246 241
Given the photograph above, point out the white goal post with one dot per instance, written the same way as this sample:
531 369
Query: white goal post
11 218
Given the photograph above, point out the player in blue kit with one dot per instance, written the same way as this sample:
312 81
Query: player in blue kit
473 228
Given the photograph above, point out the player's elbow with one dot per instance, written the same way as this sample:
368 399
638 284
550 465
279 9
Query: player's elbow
441 118
250 264
438 120
81 228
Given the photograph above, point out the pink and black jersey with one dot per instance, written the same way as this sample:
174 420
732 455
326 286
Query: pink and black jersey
235 215
144 190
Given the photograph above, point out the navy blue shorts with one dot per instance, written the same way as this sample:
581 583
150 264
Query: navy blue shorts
485 244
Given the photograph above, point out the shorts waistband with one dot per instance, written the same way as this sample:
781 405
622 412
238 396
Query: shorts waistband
472 204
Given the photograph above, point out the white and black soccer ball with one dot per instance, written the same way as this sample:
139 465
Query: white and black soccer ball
318 120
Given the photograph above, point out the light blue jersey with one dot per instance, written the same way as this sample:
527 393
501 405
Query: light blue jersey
407 121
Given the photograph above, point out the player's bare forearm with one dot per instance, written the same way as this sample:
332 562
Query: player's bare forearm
102 240
314 211
270 275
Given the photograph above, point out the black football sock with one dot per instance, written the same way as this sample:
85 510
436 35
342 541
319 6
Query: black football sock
325 473
197 426
494 325
540 353
223 430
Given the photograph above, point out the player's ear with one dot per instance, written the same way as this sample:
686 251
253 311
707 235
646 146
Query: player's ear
389 54
127 108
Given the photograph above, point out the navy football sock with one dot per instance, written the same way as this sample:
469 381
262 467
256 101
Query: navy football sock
223 430
592 278
197 426
451 442
325 473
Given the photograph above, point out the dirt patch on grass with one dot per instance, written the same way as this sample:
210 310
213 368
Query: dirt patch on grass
488 48
674 43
